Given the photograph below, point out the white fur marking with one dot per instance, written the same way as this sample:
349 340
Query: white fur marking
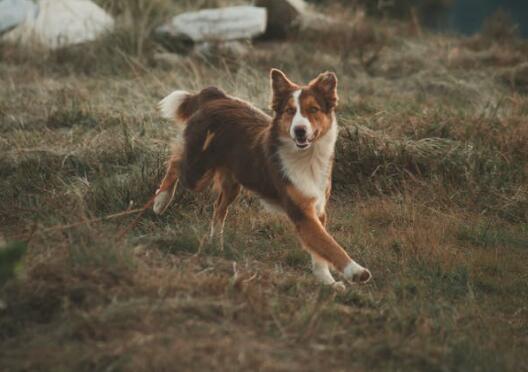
309 169
218 233
321 271
160 202
298 119
353 269
271 208
169 105
339 286
212 231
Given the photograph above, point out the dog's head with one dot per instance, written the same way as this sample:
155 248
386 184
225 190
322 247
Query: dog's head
303 113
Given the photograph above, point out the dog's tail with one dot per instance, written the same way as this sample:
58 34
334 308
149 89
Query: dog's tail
181 105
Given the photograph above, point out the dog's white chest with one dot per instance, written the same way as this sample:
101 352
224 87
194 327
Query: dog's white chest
311 179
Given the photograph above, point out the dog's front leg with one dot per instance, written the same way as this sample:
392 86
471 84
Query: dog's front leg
319 242
321 270
316 239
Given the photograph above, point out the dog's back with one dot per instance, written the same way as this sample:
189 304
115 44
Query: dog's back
221 134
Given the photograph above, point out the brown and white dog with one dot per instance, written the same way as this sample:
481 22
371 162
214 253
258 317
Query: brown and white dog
286 160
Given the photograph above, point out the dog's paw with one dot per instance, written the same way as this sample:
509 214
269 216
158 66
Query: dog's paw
161 201
357 273
338 286
362 277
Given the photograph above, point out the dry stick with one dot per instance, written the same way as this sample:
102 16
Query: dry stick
145 207
136 220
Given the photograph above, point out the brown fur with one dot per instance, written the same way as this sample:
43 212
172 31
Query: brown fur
236 144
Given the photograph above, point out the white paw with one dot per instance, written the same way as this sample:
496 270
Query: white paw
338 286
160 202
357 273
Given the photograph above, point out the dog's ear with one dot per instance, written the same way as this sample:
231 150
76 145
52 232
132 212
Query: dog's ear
326 85
281 87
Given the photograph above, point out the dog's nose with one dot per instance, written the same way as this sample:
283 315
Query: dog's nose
300 132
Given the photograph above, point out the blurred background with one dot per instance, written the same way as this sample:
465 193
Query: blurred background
459 16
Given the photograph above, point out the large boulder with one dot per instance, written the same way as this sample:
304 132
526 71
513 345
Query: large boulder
14 12
283 16
61 23
286 17
224 24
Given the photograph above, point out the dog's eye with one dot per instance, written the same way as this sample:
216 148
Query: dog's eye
290 111
313 110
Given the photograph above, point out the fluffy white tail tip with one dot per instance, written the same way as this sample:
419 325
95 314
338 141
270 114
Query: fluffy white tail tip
169 105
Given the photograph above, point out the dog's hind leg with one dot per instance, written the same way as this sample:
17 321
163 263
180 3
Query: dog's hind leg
228 189
167 189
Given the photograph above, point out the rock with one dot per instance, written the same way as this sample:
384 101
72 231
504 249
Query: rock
63 22
283 16
14 12
288 16
316 22
169 59
225 24
228 49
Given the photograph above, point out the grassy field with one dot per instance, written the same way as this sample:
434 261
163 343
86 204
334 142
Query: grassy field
431 194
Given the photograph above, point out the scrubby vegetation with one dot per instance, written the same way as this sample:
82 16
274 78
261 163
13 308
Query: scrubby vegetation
431 193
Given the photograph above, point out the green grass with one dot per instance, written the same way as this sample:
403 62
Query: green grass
490 236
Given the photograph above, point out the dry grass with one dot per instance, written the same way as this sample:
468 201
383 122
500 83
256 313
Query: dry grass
430 194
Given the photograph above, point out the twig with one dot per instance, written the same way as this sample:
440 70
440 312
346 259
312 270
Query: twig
136 220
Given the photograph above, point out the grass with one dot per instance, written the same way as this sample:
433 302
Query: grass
429 193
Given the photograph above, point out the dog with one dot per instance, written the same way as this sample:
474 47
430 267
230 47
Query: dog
286 160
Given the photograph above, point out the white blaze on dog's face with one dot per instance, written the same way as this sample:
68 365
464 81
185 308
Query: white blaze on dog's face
304 113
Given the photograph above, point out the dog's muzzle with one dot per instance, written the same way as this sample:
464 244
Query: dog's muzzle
301 137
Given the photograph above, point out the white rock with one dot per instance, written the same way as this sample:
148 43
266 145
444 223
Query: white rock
63 22
233 49
169 59
229 23
14 12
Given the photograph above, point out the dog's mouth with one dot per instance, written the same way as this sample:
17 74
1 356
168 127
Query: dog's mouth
302 143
